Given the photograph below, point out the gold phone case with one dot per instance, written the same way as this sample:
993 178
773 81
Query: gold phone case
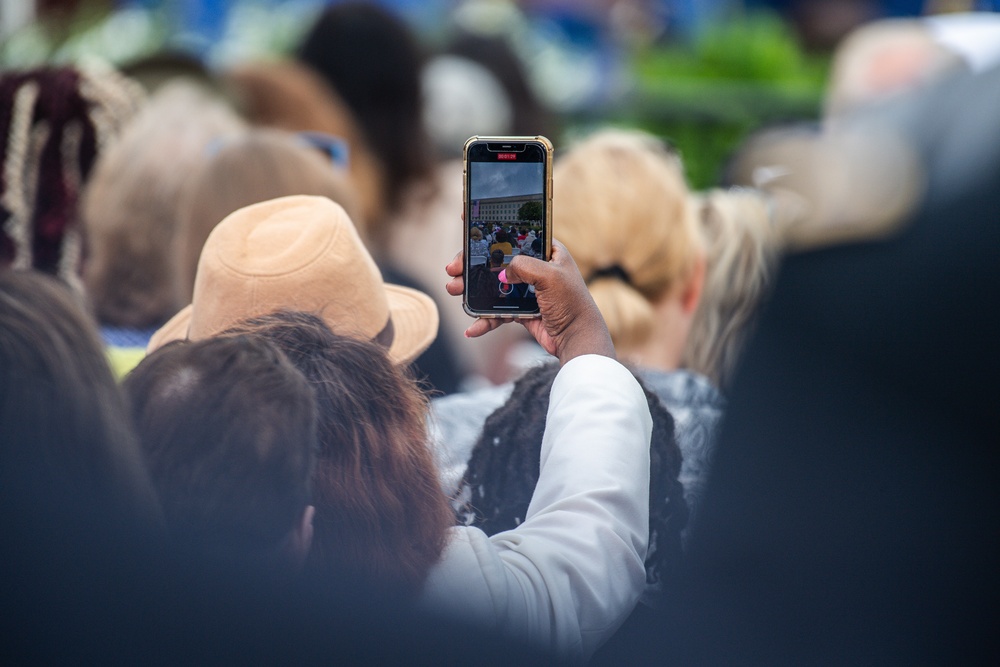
547 223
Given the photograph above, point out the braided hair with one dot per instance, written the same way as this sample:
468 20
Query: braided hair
54 121
504 467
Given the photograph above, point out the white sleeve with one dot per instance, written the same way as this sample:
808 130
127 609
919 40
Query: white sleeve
569 575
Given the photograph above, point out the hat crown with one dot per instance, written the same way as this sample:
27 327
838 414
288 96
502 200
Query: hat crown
298 252
286 240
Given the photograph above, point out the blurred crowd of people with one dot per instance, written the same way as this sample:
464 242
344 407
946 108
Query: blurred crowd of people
241 419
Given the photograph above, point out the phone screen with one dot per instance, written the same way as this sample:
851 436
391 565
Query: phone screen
507 202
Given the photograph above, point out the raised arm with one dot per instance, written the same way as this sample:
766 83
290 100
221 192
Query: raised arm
569 575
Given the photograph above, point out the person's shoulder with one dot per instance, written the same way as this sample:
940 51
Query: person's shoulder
683 389
492 396
455 422
124 359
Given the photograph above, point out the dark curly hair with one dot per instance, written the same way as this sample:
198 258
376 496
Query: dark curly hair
504 466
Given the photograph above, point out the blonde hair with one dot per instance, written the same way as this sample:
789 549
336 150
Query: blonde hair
131 208
256 167
741 246
621 208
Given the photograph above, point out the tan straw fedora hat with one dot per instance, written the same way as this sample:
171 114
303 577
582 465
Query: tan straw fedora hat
300 253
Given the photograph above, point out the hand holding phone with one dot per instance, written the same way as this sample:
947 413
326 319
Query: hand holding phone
569 322
508 212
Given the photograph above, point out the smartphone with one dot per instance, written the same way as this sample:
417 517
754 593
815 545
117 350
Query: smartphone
508 211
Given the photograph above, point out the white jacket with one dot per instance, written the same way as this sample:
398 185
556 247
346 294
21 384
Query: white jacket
569 575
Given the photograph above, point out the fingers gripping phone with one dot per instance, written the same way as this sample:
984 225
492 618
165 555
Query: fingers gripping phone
508 211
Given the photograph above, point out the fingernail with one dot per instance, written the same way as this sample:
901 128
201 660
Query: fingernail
502 276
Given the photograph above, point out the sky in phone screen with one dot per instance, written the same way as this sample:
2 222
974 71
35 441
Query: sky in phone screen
505 179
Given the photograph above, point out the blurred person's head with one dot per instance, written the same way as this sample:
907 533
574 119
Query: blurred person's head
290 96
54 123
254 167
741 245
621 208
64 428
462 99
504 466
496 258
476 234
882 59
380 511
373 61
300 252
529 117
890 57
228 429
131 209
841 183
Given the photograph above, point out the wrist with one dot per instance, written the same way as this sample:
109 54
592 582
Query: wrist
597 343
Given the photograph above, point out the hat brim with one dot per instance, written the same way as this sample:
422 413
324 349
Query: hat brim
176 328
414 321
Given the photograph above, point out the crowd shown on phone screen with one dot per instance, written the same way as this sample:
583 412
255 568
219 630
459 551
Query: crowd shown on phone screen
243 415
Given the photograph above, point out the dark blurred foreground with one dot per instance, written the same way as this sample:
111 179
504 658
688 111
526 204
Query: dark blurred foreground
84 585
851 517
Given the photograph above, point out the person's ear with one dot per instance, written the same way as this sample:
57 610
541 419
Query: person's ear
691 295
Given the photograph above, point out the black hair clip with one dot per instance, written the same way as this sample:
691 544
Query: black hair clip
613 271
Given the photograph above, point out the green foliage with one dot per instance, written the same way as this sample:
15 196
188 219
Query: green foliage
706 97
531 210
755 47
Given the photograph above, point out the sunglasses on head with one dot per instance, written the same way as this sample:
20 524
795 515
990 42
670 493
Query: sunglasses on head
334 148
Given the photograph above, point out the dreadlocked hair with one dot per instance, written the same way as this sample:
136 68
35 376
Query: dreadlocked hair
54 121
503 471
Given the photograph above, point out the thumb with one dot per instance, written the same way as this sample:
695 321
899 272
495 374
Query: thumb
541 273
523 269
